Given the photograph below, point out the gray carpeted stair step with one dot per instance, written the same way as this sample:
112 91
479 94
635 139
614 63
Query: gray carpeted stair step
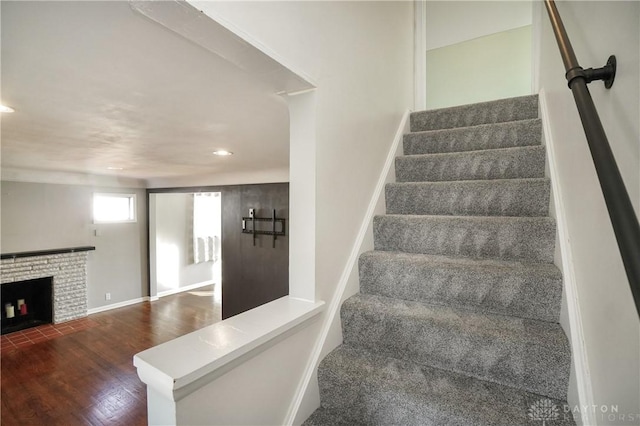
484 136
507 238
328 417
528 290
504 163
505 197
525 354
521 108
377 390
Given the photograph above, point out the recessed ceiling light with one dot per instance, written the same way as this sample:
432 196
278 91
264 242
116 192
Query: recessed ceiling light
222 152
4 108
114 168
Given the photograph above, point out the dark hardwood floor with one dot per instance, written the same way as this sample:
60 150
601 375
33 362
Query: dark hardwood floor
88 378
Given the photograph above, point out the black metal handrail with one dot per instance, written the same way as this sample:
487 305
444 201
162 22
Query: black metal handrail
623 218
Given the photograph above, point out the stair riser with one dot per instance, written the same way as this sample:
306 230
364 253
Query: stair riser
524 292
491 136
492 198
530 239
512 163
485 348
522 108
394 392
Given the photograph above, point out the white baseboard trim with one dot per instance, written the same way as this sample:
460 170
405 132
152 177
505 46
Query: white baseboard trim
578 348
334 306
185 288
117 305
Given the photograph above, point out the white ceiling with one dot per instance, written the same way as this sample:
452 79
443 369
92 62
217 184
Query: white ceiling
99 84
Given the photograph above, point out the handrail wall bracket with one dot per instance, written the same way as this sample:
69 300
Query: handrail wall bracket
606 73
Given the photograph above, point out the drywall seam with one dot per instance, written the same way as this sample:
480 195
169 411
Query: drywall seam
334 306
578 347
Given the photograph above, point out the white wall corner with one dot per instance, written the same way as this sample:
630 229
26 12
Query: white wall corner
573 324
363 242
302 195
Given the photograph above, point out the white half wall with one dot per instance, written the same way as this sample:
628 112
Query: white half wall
609 319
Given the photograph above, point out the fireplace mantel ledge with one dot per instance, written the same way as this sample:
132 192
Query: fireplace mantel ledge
181 366
45 252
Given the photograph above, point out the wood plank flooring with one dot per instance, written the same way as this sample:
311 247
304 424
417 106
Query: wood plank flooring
88 378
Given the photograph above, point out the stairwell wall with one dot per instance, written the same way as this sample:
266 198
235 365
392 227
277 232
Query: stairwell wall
610 324
477 51
360 56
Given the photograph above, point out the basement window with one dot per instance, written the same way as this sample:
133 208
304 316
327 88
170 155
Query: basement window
114 208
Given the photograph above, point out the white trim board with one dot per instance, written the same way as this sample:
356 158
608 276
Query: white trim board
420 54
386 175
185 288
117 305
576 332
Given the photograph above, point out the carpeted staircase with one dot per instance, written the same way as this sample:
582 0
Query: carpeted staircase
457 319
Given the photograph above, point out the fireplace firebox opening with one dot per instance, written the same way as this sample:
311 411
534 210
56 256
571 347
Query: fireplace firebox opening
26 304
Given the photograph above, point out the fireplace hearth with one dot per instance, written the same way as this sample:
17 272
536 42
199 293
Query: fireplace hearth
26 304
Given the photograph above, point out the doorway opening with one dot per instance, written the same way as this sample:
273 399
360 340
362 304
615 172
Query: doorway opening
185 244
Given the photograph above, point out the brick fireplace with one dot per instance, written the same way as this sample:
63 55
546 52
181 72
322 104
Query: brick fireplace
68 267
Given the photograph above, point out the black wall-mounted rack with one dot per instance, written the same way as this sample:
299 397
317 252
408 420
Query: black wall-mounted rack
273 219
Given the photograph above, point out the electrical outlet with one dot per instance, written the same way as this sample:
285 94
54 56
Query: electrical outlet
107 296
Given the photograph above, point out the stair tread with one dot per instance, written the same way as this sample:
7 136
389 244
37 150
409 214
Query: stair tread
473 138
546 269
528 290
472 182
540 219
476 126
476 151
523 353
328 417
501 197
377 389
487 164
503 237
497 111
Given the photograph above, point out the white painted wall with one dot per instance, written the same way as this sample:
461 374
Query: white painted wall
477 51
495 66
451 22
610 323
173 269
37 216
359 55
